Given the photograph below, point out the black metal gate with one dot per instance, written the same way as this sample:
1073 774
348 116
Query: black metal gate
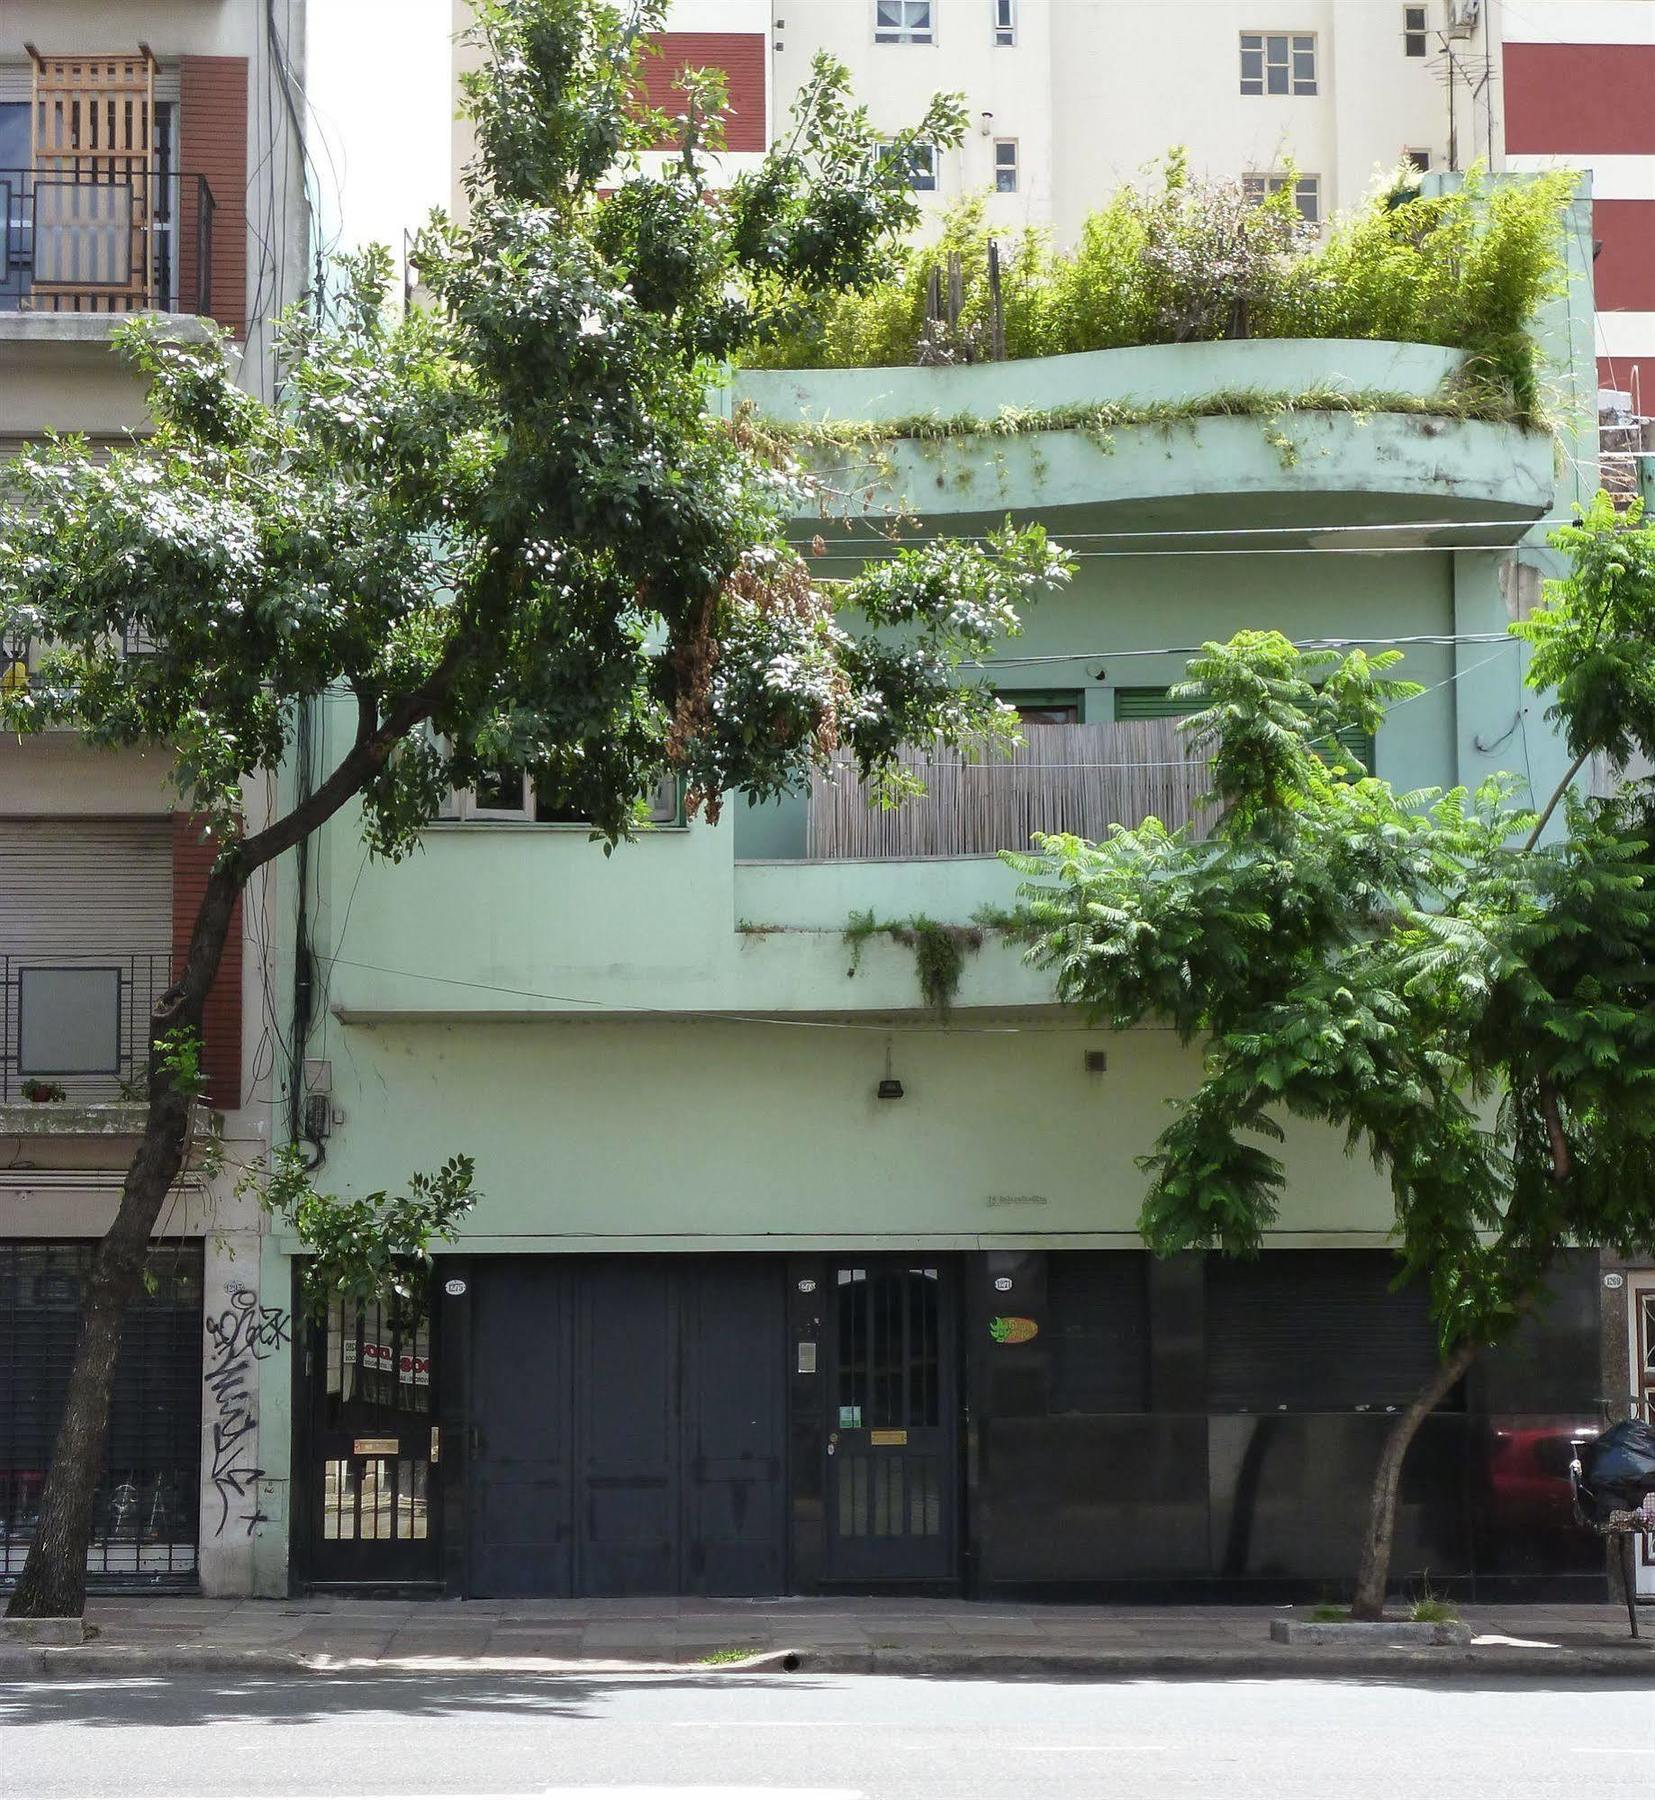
373 1443
146 1512
892 1482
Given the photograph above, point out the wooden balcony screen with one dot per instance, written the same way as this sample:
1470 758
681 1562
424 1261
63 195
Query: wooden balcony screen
94 182
1077 778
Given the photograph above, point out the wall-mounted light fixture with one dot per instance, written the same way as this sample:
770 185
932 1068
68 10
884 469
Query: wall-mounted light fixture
889 1087
987 125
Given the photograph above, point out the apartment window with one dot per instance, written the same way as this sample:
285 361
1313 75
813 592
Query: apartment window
903 22
1418 159
507 796
1307 192
922 165
1413 31
1005 165
1278 62
1042 708
1005 23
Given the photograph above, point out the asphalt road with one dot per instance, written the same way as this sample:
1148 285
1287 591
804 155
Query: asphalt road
798 1737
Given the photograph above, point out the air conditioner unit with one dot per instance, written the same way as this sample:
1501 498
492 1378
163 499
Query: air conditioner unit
1463 16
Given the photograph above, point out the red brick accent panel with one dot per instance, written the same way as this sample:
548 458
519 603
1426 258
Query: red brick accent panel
1580 99
192 863
1624 273
212 141
740 54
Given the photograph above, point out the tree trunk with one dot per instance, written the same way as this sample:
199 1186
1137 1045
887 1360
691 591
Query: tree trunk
1373 1574
53 1582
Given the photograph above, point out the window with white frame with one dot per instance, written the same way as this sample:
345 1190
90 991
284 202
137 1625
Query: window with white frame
1418 159
1005 23
1414 41
922 164
506 796
1307 192
1278 62
1005 165
903 22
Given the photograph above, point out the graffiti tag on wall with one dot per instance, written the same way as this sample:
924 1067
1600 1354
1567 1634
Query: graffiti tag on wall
240 1338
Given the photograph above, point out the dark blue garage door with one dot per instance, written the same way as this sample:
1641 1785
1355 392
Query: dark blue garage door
628 1426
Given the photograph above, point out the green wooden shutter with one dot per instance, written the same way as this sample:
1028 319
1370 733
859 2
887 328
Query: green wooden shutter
1148 703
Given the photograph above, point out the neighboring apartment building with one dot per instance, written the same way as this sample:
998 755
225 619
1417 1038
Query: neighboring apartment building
782 1283
148 164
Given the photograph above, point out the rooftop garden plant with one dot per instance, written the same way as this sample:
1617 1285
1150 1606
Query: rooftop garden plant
1177 260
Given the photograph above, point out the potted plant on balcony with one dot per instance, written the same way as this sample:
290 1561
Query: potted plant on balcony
40 1092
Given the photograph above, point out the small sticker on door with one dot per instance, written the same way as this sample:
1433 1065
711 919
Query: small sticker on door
1013 1330
807 1357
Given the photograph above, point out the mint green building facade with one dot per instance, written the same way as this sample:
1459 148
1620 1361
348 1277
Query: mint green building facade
668 1066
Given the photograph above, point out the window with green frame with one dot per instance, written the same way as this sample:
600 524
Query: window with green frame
1158 703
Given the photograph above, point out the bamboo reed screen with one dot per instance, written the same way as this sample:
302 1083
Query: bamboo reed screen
94 178
1078 778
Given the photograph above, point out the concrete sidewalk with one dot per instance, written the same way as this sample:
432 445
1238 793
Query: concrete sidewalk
920 1637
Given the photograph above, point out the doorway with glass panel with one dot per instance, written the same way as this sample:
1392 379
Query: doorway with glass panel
374 1444
892 1440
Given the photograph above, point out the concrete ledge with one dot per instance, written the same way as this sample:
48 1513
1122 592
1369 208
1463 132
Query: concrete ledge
94 329
100 1119
1369 1633
45 1631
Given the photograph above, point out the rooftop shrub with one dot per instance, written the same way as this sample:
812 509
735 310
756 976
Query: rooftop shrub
1176 259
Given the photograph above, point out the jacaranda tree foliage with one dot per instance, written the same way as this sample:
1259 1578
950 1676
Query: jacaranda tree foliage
510 528
1474 1009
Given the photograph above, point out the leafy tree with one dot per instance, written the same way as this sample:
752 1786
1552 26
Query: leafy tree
1472 1008
511 529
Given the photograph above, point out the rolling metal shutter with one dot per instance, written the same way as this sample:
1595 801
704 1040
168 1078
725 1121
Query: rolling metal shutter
85 950
1315 1331
145 1515
1098 1305
74 887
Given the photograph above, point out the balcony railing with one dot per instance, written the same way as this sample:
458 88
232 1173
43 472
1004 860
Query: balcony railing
77 1026
117 244
1078 778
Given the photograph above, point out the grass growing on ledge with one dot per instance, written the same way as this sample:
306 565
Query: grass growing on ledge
1099 421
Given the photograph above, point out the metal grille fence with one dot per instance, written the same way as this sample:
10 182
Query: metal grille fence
147 1508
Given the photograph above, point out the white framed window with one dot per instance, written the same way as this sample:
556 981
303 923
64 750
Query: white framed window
1418 159
1307 192
1005 165
1278 62
1005 23
922 165
1414 41
506 796
903 22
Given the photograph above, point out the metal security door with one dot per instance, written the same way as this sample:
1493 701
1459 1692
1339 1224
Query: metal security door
1643 1389
145 1513
892 1474
375 1439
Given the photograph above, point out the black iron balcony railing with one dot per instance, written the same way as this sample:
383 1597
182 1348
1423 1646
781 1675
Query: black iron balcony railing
76 1027
114 244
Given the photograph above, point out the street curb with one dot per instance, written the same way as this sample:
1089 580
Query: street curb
1264 1661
